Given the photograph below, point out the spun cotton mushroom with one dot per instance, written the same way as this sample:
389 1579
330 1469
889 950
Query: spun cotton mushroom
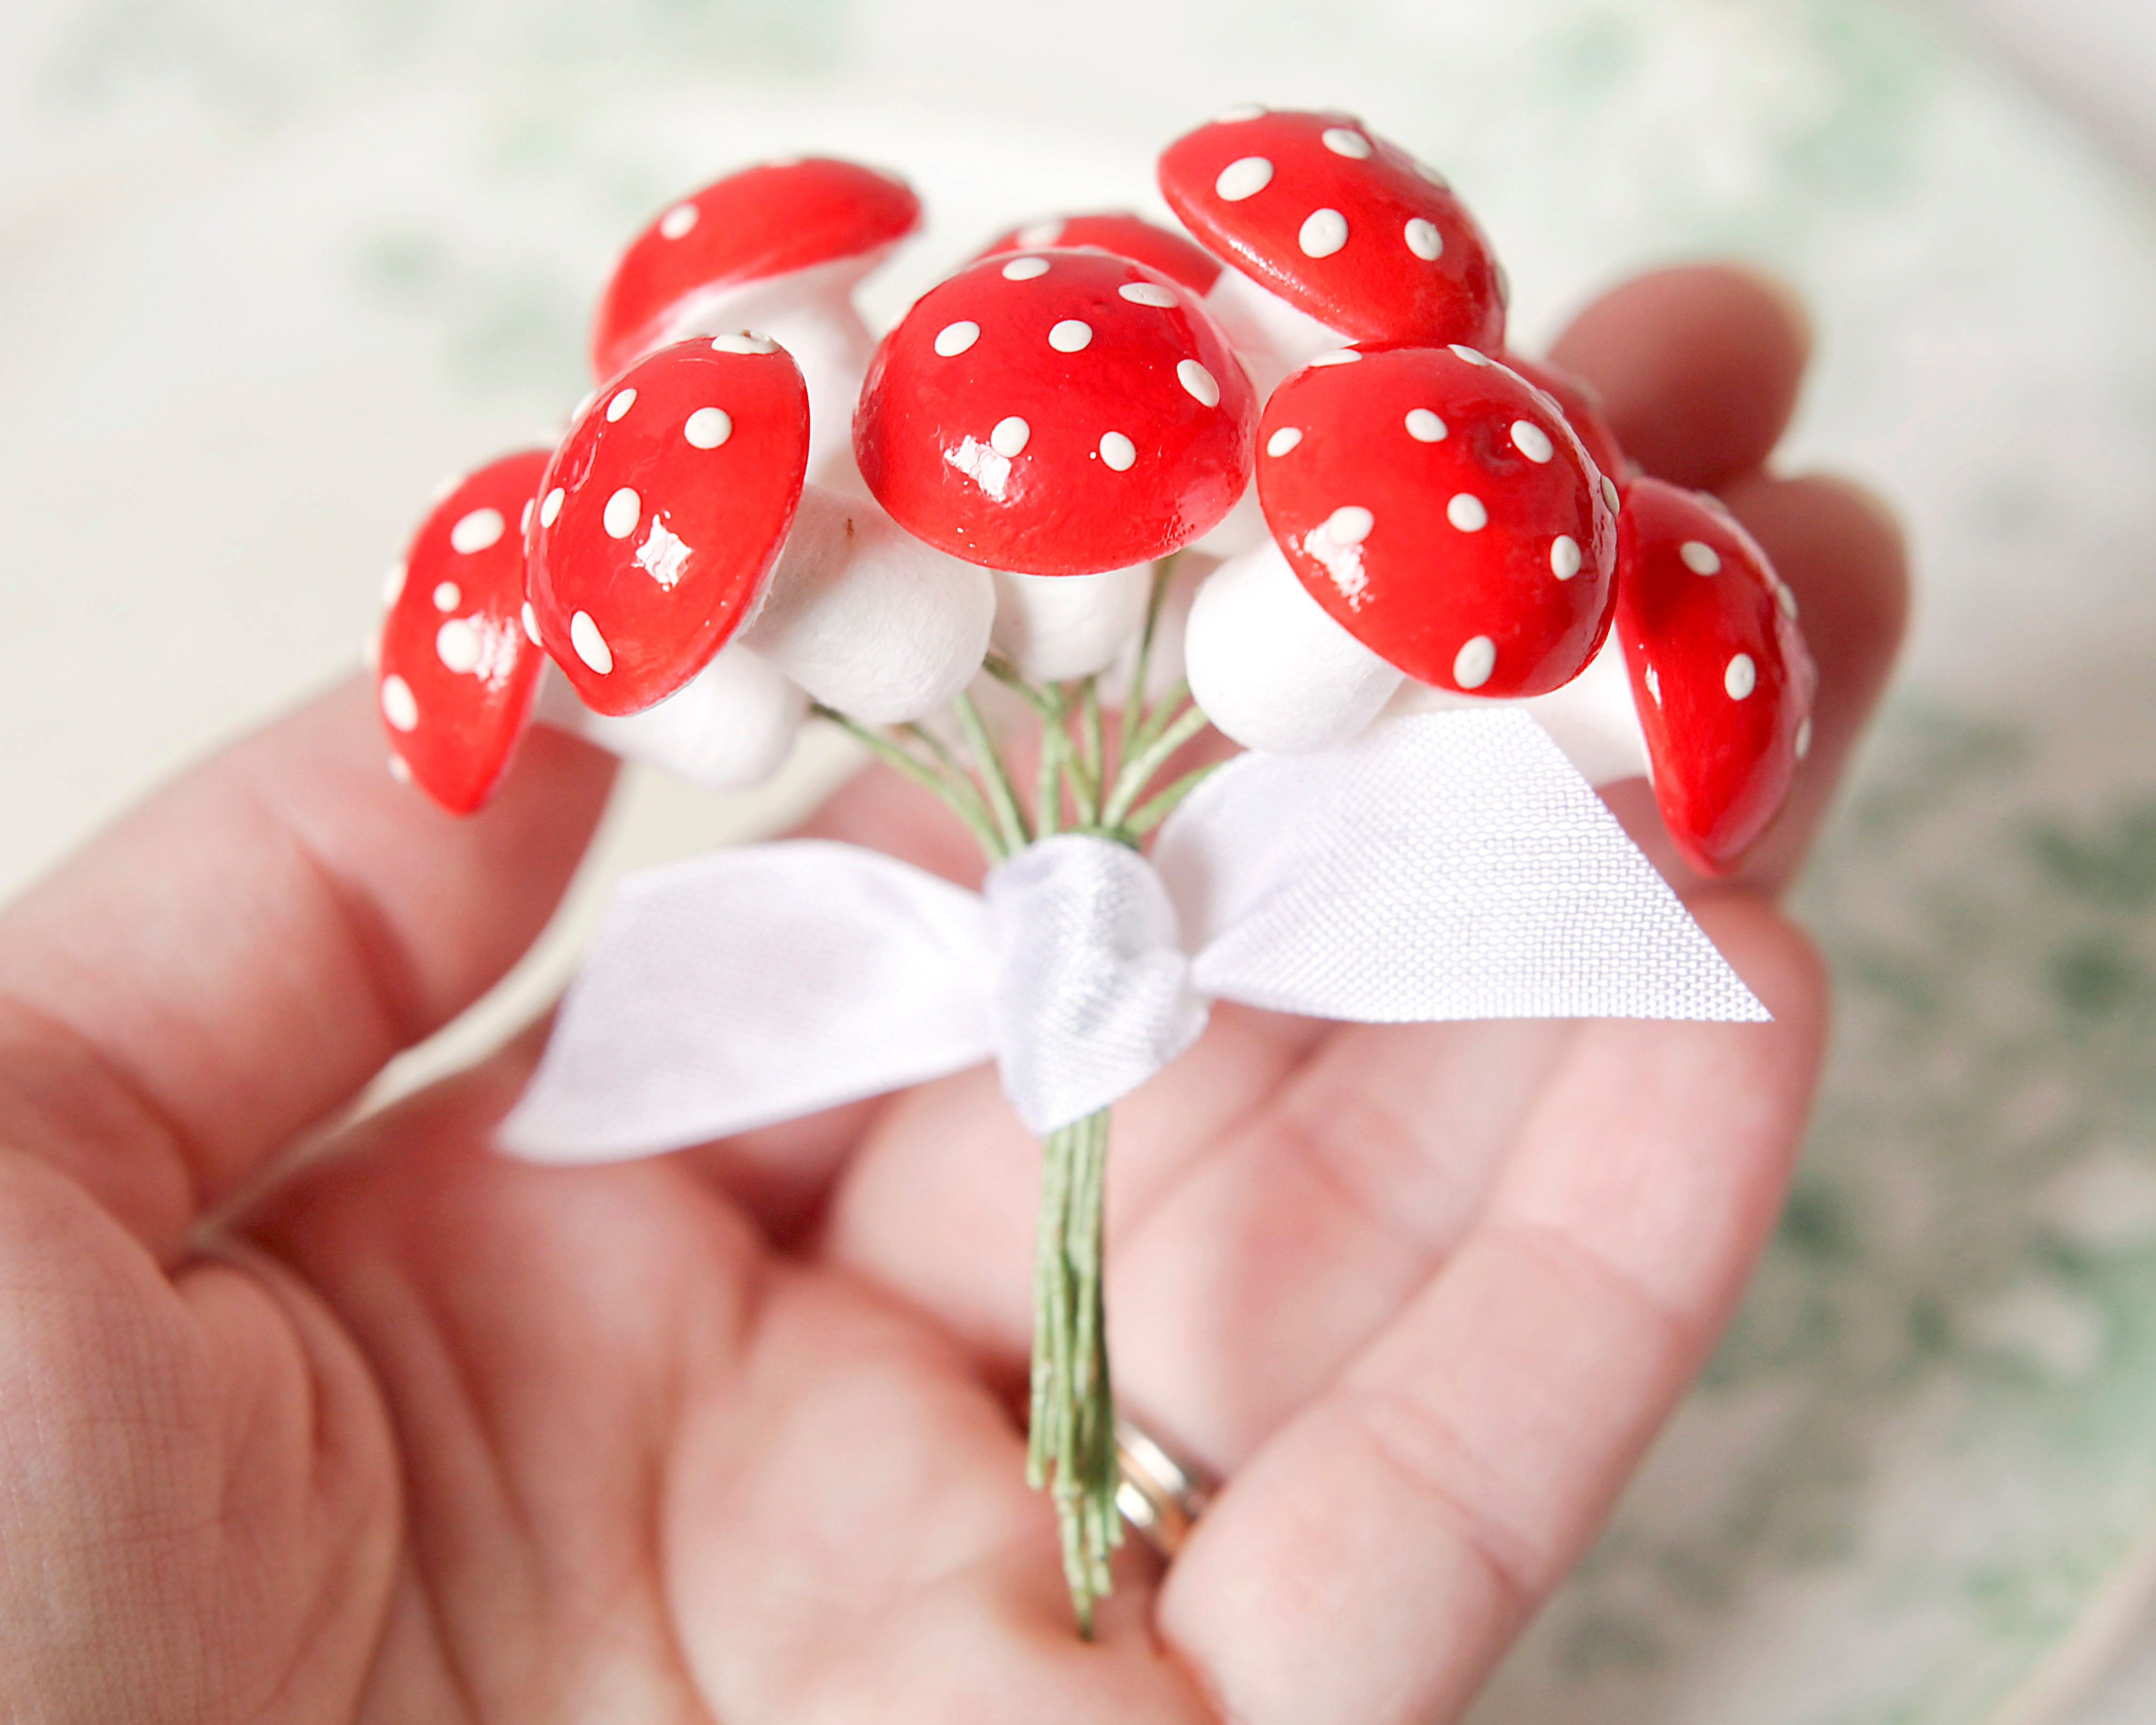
1333 236
459 673
675 516
778 248
1063 418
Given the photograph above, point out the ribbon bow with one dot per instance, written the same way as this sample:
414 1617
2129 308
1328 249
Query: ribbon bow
1449 866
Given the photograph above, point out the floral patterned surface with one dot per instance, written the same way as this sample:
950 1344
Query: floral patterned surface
267 272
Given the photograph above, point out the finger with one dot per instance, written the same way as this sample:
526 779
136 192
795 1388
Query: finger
239 956
1372 1560
1841 552
1698 367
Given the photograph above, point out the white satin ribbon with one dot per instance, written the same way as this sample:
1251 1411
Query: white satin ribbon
1449 865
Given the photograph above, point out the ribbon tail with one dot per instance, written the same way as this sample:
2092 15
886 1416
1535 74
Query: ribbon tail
755 986
1449 865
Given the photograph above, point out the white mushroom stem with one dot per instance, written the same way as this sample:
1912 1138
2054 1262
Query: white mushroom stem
810 313
1057 627
1592 718
1271 337
1271 668
868 618
731 726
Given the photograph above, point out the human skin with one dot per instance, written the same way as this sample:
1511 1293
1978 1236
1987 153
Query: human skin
429 1434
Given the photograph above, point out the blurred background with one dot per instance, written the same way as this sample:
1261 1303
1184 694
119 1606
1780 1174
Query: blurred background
268 271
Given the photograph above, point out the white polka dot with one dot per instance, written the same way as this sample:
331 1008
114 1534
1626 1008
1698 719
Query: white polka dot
1286 439
393 584
1473 355
707 427
524 521
1564 557
1025 269
1785 599
1803 737
678 221
1700 558
1424 240
1530 440
1070 336
1243 178
1465 512
624 400
955 338
1741 677
1323 233
1342 140
1199 382
398 705
530 624
400 769
457 644
1338 357
448 596
1653 680
623 510
1473 663
1609 493
1147 293
1117 451
1035 234
590 645
1010 436
477 530
744 341
1425 427
1348 525
1237 115
549 507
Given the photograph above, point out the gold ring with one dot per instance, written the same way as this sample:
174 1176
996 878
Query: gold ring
1159 1494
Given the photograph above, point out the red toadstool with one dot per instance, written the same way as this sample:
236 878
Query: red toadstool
778 248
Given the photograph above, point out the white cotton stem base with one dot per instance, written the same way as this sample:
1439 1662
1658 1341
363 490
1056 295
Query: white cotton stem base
731 726
1592 718
1271 337
1271 669
866 618
810 314
1058 627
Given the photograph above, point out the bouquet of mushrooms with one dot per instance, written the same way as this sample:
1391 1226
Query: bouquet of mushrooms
1277 474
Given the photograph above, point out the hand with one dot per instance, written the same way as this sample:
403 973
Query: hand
430 1435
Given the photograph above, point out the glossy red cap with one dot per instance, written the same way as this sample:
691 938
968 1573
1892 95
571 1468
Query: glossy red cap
458 671
1056 413
1581 404
1341 224
661 514
1126 235
748 227
1720 672
1441 510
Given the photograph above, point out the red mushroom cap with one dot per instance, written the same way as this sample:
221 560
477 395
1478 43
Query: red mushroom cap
748 227
1581 404
458 670
1443 513
1056 413
661 514
1341 224
1720 672
1126 235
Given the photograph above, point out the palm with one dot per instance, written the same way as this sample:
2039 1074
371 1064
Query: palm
729 1434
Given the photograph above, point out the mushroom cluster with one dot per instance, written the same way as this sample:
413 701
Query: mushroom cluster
765 511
